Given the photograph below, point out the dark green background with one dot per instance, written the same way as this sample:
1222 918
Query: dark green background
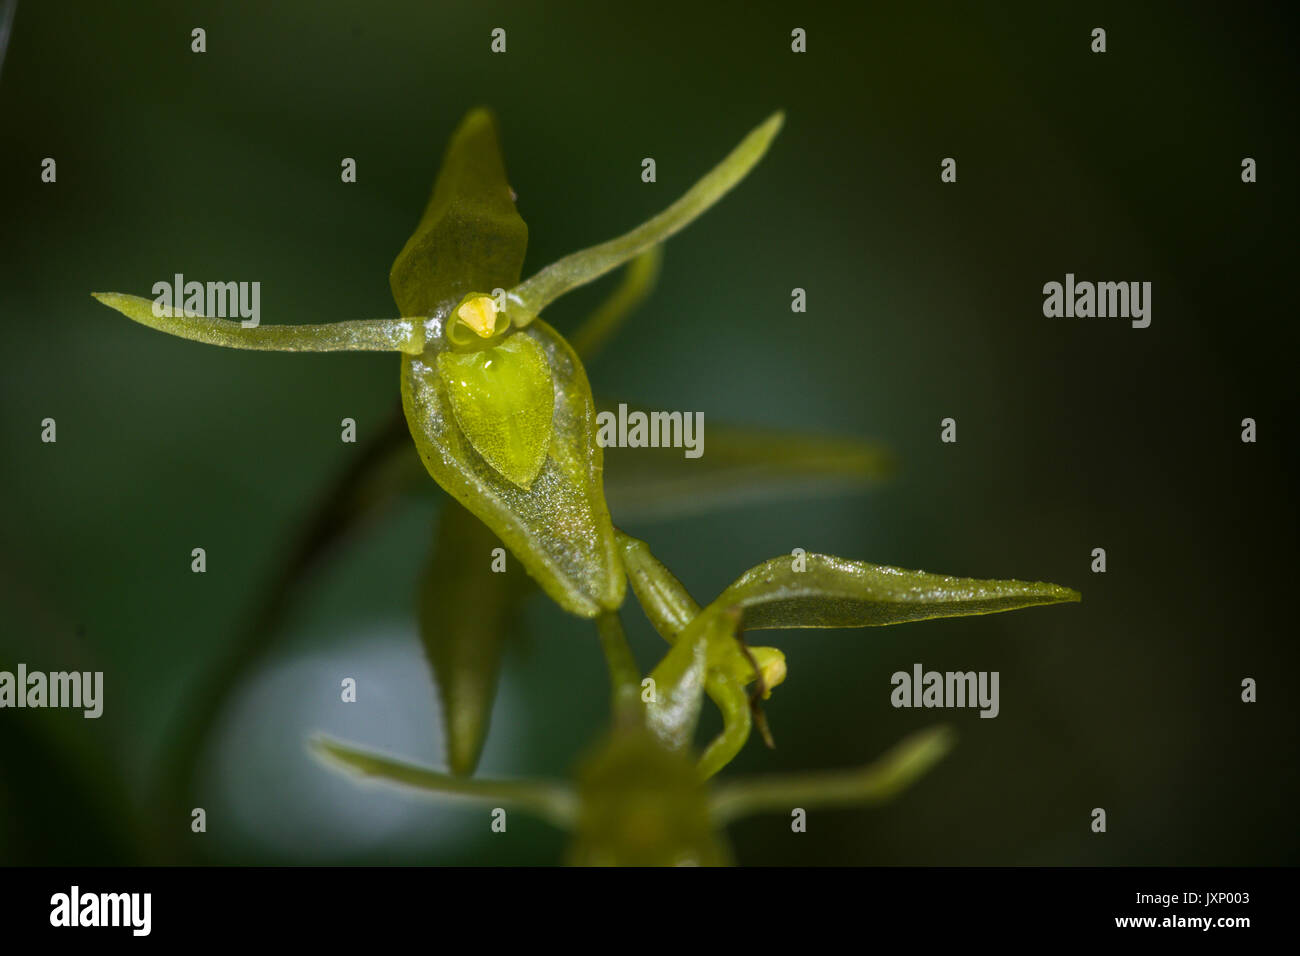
924 301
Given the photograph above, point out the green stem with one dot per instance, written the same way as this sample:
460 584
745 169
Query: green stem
665 600
737 720
670 608
874 783
553 802
624 675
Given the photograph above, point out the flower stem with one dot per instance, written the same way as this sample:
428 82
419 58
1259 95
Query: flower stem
624 675
552 802
874 783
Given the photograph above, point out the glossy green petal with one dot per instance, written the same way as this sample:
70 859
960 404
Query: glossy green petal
528 299
470 237
559 527
837 592
361 335
504 402
679 688
467 611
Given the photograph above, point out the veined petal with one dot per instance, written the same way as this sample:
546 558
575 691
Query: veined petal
504 403
471 237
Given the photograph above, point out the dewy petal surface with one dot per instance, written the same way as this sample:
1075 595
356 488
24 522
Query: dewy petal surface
827 591
504 403
559 526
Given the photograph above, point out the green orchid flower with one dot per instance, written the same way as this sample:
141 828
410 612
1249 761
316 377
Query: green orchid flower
813 591
642 798
503 419
498 402
471 237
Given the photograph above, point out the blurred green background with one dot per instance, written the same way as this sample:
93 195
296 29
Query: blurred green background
924 301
